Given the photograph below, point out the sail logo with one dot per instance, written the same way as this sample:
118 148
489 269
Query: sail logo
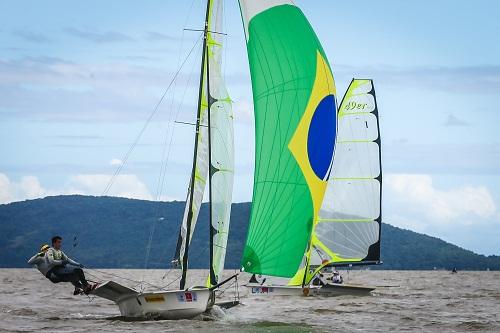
155 299
262 290
353 105
313 142
187 297
321 137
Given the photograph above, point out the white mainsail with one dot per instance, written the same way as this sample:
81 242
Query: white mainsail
348 228
214 159
221 146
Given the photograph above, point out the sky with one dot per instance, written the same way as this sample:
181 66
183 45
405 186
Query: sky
78 80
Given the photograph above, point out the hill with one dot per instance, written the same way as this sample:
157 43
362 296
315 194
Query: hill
114 232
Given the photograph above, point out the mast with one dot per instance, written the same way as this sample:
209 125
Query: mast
198 119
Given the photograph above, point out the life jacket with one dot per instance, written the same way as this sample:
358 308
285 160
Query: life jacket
57 254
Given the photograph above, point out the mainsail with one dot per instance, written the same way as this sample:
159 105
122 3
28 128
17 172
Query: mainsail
295 127
221 146
213 153
348 228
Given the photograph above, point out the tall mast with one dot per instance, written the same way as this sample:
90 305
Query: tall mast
198 120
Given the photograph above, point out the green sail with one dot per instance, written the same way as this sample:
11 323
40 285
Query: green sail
294 107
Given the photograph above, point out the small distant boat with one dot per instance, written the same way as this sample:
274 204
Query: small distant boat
213 163
317 181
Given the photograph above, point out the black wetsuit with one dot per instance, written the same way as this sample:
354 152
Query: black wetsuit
68 273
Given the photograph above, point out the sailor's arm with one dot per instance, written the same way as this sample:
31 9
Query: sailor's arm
68 260
33 260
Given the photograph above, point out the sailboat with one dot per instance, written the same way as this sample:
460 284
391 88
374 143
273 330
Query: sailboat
317 181
213 163
347 230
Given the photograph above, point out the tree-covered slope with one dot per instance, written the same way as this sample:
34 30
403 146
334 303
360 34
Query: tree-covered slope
114 232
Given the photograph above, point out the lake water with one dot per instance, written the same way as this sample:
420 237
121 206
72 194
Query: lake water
423 301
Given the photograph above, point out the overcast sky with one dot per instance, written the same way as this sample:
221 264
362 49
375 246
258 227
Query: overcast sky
79 79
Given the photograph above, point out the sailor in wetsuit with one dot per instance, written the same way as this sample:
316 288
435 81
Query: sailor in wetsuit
38 260
337 278
61 268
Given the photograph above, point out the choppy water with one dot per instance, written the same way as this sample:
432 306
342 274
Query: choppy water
428 301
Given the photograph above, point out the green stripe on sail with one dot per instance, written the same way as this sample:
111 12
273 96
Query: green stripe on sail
282 51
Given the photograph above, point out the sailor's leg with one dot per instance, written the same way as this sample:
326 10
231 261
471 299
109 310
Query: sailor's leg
52 276
81 276
66 274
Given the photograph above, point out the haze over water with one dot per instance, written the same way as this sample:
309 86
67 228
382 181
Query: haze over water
428 301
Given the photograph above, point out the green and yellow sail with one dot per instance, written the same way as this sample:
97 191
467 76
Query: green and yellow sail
295 127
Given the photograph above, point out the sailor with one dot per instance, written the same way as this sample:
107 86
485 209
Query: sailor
337 278
253 279
61 268
38 260
318 280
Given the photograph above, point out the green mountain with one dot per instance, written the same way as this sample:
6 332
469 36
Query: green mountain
115 232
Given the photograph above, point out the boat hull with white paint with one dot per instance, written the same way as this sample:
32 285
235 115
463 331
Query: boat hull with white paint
256 289
326 290
337 289
170 304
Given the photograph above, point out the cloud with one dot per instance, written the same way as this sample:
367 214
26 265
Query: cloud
441 158
115 162
98 37
480 79
417 197
127 186
454 121
31 36
158 36
55 90
29 187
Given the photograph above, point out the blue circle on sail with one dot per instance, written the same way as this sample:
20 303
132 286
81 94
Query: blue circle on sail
321 137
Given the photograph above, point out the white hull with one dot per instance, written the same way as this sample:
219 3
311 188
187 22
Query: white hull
278 290
328 290
171 304
335 289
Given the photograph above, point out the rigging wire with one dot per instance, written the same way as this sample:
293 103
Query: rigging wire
167 148
137 139
137 282
162 181
146 124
